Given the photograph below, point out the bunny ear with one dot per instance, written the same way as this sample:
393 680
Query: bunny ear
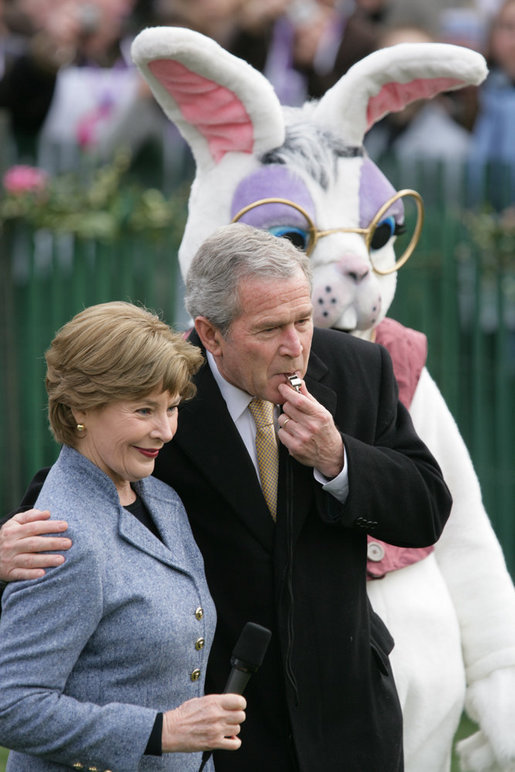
389 79
219 103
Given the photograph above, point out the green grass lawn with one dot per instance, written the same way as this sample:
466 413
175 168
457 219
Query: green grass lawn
466 728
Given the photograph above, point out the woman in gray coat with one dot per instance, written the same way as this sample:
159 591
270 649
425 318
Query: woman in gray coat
102 659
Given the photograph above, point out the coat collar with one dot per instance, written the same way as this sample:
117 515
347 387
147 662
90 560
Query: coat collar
170 520
210 439
92 485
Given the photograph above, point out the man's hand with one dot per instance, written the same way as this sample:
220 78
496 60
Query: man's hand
307 429
23 549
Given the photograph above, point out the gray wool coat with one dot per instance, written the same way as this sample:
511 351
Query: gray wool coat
94 649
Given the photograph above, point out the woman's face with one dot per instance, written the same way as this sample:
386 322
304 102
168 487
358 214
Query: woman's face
124 438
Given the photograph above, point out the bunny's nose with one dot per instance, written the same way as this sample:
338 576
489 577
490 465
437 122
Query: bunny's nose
354 267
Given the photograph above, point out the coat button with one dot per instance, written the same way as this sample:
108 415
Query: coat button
375 551
195 674
199 613
199 644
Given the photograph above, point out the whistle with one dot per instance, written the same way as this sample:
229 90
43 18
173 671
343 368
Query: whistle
295 382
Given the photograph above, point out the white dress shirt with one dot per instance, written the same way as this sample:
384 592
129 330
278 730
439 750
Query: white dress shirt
237 402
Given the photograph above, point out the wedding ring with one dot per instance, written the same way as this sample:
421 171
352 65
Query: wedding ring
285 422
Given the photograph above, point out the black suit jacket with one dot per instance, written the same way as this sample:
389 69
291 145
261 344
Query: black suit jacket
326 681
325 692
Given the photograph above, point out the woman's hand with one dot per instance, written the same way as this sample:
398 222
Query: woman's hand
24 552
204 723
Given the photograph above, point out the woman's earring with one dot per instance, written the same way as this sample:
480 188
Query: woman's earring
80 427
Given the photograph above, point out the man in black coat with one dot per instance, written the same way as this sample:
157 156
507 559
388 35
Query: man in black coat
350 463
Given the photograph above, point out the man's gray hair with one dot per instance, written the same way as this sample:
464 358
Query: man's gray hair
231 254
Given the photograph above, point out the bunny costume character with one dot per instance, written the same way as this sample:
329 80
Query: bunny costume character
303 173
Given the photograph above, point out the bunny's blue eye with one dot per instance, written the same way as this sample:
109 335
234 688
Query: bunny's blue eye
298 236
384 232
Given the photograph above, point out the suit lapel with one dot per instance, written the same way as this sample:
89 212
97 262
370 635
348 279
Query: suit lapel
169 552
317 370
296 485
208 436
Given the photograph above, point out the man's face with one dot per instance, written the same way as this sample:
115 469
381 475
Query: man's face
271 338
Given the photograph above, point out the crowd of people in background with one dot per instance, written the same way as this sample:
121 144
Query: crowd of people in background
68 88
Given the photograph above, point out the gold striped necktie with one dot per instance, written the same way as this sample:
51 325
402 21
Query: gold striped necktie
267 451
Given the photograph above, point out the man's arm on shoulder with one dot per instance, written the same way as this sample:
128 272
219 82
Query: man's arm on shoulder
25 551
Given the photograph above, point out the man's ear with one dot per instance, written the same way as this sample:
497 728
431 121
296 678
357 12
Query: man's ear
209 334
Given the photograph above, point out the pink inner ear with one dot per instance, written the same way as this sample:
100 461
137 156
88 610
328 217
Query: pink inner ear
394 96
214 110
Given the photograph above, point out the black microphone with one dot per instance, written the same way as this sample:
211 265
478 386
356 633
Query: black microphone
247 657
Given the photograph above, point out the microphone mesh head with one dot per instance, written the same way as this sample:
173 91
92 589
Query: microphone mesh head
252 644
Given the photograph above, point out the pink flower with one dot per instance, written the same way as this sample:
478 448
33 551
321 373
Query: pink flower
24 179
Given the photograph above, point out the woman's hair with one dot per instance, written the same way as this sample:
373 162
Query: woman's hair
112 352
230 255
